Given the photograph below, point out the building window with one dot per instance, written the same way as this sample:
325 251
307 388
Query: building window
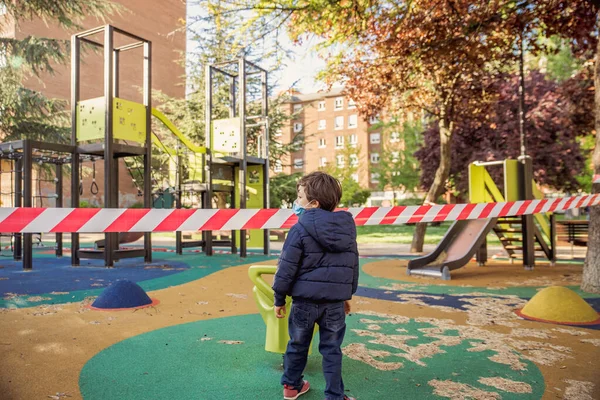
339 122
297 108
339 142
353 140
374 158
278 166
353 121
353 160
297 127
340 161
395 173
2 9
339 103
323 162
374 177
355 177
298 163
395 156
375 138
321 106
322 143
374 119
395 137
322 124
351 104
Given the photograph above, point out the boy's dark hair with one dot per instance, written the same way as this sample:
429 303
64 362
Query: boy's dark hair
322 187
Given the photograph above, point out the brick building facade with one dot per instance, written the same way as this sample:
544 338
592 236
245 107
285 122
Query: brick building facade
330 124
157 21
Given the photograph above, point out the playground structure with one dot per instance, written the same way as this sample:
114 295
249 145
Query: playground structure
521 236
109 128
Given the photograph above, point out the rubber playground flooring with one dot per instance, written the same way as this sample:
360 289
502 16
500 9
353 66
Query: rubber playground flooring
407 337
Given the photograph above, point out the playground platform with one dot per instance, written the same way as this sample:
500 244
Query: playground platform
417 336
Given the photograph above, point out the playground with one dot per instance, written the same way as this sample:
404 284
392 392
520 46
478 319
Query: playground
465 321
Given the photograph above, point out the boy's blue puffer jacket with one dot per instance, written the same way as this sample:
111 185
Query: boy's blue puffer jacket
319 260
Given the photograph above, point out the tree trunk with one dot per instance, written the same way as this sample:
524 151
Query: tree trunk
439 182
591 268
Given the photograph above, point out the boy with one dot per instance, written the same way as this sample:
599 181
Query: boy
318 267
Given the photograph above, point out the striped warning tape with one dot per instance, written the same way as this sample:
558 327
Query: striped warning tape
90 220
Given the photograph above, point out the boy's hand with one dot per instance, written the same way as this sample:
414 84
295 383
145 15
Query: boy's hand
280 311
347 307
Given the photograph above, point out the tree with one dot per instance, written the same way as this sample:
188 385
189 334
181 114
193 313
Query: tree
211 32
345 169
283 189
553 137
25 113
398 167
590 281
424 54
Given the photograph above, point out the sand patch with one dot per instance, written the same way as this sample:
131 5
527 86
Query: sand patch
536 333
570 331
35 299
595 342
507 385
578 390
237 295
460 391
359 352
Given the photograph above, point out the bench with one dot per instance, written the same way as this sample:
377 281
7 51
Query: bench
577 231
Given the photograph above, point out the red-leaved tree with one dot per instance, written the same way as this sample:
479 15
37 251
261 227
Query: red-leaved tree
553 125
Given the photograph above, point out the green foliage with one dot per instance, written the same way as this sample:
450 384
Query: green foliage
585 179
352 193
398 168
212 32
557 58
283 190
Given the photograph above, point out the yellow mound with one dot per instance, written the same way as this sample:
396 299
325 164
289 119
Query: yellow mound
561 305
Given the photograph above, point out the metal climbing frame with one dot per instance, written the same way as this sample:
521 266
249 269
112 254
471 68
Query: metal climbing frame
23 154
227 144
104 124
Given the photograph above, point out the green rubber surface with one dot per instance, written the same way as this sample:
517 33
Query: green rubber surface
176 363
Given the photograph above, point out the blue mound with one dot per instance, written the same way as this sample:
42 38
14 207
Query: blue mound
122 294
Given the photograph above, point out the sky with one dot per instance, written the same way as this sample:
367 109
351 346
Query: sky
299 71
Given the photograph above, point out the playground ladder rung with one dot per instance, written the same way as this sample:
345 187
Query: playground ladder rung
509 230
510 247
509 239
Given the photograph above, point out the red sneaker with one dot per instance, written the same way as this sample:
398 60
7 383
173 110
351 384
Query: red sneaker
289 393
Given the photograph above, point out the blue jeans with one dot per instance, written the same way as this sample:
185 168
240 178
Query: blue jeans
332 327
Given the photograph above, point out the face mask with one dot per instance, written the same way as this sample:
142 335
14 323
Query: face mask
298 209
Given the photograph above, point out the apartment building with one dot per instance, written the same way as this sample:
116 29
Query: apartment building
157 21
330 124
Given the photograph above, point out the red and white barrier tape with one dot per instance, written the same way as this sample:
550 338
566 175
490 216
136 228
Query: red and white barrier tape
91 220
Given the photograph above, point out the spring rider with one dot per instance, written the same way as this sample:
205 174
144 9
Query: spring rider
277 328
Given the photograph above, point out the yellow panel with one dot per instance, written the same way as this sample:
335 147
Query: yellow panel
226 135
254 200
511 180
542 219
91 117
129 120
476 184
